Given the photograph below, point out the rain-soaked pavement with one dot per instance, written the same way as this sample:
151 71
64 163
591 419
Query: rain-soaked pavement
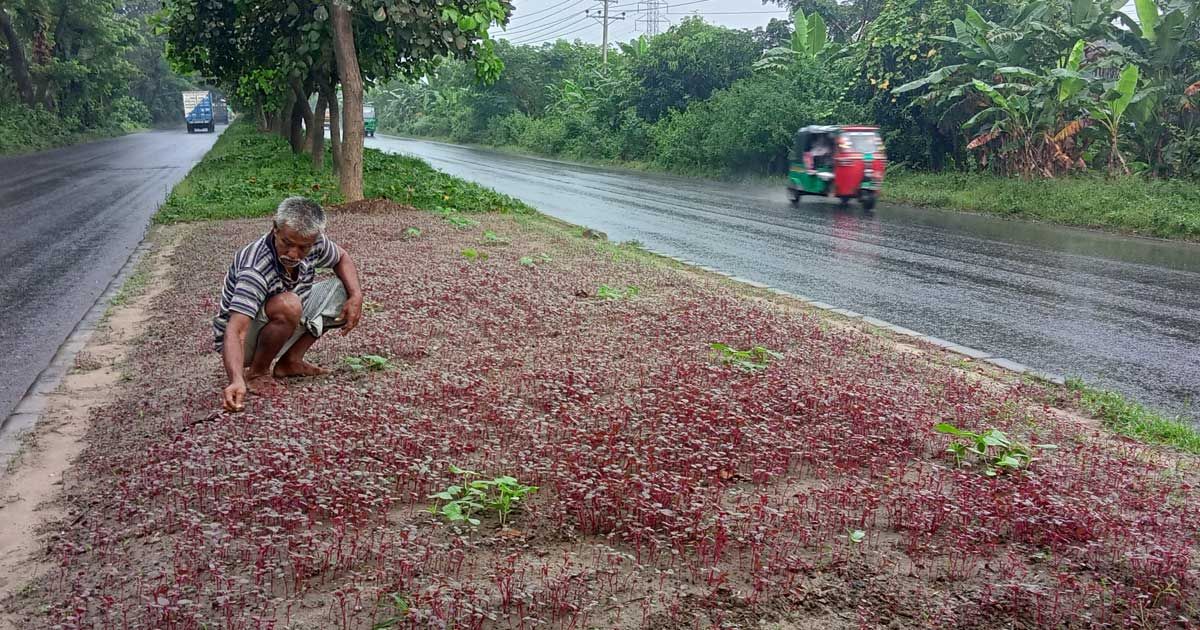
71 217
1123 313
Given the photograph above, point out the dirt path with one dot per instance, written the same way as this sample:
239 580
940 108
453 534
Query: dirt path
31 487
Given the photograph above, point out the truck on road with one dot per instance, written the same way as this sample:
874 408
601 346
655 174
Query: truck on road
221 111
198 110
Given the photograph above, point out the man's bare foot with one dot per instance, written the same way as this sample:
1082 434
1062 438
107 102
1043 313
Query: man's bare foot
261 384
302 368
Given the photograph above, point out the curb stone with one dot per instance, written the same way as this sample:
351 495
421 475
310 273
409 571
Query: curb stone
29 408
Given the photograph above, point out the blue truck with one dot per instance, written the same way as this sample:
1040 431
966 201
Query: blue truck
198 110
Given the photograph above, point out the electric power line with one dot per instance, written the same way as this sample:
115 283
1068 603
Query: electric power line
653 15
606 18
544 33
547 20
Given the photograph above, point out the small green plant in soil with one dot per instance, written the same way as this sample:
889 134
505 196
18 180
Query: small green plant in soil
368 363
412 232
491 238
530 261
992 449
462 502
473 254
462 223
609 293
754 359
399 611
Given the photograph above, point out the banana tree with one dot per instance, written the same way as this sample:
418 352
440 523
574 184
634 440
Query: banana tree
1163 42
1111 109
808 40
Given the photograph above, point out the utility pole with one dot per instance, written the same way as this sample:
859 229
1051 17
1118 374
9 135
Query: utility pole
602 14
651 15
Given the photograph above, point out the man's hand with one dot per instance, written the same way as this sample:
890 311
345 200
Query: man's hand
351 313
235 396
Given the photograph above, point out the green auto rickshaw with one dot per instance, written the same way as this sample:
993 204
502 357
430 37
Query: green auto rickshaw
370 124
847 162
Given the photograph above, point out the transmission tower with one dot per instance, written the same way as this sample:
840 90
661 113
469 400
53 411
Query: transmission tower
652 14
605 18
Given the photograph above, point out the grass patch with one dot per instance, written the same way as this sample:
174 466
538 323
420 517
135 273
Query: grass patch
247 173
1132 419
134 286
1162 208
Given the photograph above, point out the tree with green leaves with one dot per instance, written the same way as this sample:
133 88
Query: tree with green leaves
277 53
688 63
808 40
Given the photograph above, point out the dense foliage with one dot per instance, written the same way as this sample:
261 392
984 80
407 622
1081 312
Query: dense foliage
72 67
274 56
1035 88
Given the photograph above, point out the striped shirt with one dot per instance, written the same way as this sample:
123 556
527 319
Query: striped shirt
256 275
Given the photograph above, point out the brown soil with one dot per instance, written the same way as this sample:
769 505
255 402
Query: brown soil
33 484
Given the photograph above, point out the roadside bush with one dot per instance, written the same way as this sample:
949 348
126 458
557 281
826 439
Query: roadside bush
30 129
130 113
749 126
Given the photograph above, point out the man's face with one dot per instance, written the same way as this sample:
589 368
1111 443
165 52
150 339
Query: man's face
291 246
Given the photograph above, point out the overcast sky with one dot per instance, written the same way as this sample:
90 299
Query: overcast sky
537 21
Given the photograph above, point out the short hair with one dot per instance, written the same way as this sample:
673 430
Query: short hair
301 214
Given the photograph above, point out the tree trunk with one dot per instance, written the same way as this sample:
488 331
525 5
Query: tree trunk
317 135
305 109
350 173
16 59
260 116
283 124
335 128
296 127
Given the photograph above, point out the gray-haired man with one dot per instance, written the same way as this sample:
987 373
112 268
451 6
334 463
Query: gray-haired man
270 307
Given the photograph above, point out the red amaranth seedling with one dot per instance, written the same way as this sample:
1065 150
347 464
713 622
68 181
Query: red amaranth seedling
670 483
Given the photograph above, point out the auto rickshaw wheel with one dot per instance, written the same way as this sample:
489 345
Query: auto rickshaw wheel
867 199
794 196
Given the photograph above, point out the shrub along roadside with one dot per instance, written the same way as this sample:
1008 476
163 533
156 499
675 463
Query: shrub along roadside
247 173
25 130
1132 204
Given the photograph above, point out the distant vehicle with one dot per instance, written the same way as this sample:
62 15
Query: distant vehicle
221 112
198 110
845 162
370 124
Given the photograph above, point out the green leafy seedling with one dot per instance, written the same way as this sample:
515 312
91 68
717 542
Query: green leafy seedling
752 360
412 232
463 502
857 536
992 449
609 293
491 238
368 362
473 254
530 261
400 608
462 223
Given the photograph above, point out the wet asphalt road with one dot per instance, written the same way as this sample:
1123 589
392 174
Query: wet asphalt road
1123 313
71 217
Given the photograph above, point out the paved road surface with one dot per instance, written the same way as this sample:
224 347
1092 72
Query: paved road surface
71 218
1120 312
